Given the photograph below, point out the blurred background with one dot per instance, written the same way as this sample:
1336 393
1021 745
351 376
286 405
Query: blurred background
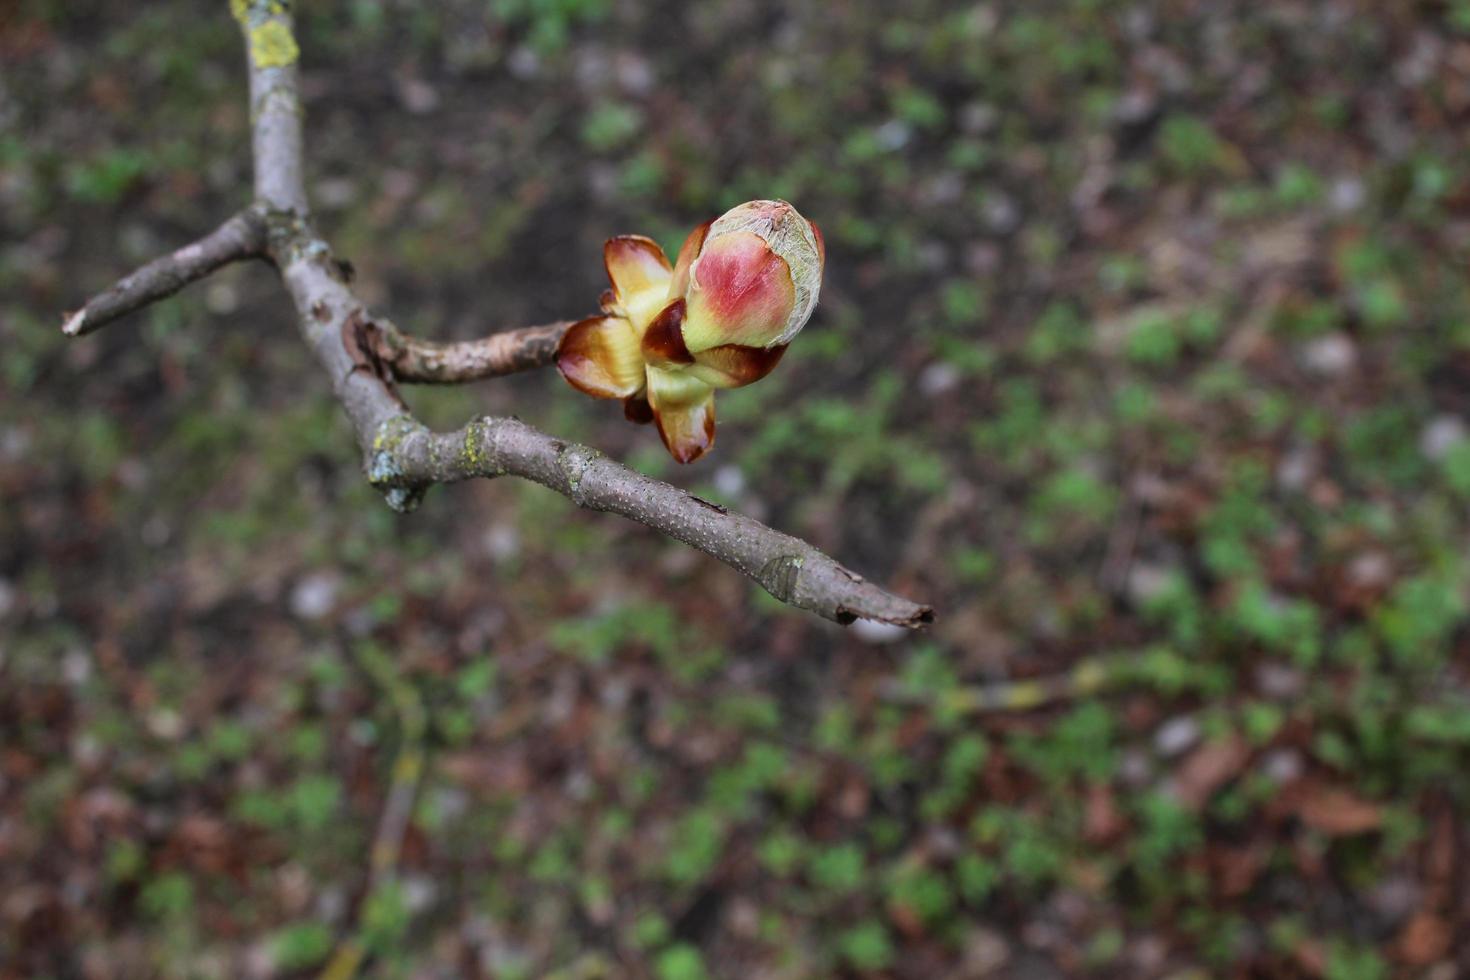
1143 354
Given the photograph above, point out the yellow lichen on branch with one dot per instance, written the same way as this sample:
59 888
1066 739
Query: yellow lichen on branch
272 46
241 9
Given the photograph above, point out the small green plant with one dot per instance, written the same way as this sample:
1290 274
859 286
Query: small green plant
301 946
1189 145
867 946
681 962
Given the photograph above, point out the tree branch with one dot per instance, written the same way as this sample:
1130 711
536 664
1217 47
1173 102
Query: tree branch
275 106
242 237
407 457
416 361
364 357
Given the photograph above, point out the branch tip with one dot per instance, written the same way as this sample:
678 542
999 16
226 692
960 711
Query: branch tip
241 237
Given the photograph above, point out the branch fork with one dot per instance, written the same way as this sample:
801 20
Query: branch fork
367 357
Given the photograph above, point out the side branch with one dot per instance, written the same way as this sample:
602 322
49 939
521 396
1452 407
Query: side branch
407 455
416 361
242 237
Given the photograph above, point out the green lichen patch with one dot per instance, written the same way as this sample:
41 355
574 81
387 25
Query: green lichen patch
778 576
392 432
385 472
472 455
477 455
404 500
574 461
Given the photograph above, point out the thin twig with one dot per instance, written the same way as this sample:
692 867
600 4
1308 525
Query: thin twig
416 361
1117 561
403 791
242 237
1092 676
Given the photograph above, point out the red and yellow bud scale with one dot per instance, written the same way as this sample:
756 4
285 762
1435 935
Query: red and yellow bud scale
744 286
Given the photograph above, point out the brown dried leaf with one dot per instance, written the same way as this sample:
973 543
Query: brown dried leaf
1234 870
1102 822
1338 813
1424 939
1208 768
